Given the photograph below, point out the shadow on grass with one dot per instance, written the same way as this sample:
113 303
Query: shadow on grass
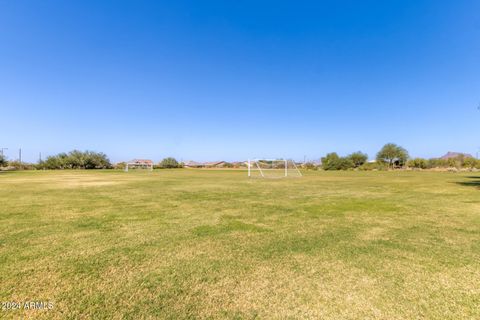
473 182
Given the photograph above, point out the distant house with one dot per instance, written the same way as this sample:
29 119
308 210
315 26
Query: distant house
455 155
194 164
139 164
239 164
215 164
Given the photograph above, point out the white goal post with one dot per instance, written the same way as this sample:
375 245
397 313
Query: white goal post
272 168
139 164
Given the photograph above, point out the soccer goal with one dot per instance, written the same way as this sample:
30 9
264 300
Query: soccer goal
139 164
272 168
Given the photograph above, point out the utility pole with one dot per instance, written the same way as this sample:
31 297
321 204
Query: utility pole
20 156
1 150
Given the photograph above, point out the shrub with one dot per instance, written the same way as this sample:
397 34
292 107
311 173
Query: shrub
393 155
373 166
77 160
358 158
95 160
454 163
3 161
53 162
120 165
17 165
168 163
330 161
309 166
228 165
417 163
470 163
436 163
333 162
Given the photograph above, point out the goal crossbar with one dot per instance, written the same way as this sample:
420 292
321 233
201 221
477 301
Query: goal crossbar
287 167
139 164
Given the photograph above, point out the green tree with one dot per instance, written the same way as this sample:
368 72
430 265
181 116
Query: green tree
417 163
392 154
3 161
120 165
96 160
454 162
333 162
53 162
329 162
169 163
470 163
77 160
358 158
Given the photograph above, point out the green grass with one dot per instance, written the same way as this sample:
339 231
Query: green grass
213 244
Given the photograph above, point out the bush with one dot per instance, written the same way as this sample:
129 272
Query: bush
436 163
169 163
373 166
77 160
358 158
333 162
228 165
471 163
3 161
310 166
17 165
393 155
417 163
454 163
330 161
120 165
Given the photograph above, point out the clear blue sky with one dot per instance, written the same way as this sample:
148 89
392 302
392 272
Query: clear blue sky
211 80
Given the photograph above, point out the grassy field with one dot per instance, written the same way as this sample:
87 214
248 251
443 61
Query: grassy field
213 244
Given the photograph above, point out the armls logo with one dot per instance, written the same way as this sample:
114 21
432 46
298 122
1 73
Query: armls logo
27 305
38 305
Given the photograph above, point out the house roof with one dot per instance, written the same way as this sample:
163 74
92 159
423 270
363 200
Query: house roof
140 161
203 164
193 164
214 163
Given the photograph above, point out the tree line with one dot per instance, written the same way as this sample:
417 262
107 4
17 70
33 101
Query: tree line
166 163
391 156
76 159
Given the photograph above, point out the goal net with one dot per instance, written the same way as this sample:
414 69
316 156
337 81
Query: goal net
139 164
272 168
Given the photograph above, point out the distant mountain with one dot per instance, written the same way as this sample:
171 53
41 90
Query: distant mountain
453 155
